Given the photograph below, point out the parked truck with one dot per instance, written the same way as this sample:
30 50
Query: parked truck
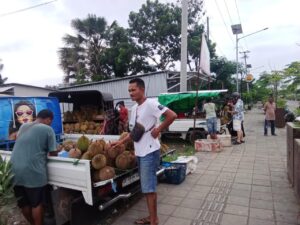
75 196
190 123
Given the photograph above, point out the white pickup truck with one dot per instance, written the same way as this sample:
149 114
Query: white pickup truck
183 102
74 195
183 128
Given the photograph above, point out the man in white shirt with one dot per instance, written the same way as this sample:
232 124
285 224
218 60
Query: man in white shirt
146 112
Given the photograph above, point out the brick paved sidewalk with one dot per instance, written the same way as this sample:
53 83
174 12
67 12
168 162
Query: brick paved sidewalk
243 185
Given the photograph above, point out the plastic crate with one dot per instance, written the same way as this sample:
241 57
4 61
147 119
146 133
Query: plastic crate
175 173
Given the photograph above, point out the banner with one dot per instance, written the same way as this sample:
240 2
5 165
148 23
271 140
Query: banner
204 57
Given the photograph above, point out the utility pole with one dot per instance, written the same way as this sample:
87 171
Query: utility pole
183 66
246 72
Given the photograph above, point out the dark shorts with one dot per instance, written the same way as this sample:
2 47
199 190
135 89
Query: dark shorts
30 196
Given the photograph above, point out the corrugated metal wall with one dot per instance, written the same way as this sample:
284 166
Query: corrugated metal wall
155 84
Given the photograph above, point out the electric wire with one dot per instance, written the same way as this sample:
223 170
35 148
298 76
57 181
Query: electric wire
228 12
240 21
218 46
224 21
25 9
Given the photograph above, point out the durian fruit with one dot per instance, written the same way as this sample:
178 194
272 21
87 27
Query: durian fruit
83 143
99 161
112 153
77 127
68 116
106 173
122 161
120 148
132 159
75 153
68 145
91 125
83 128
95 148
87 155
107 147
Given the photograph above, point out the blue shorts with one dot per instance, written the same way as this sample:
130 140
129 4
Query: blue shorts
212 125
148 166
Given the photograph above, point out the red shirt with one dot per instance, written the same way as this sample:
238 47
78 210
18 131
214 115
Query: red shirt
123 114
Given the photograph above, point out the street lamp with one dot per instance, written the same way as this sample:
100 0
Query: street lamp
237 29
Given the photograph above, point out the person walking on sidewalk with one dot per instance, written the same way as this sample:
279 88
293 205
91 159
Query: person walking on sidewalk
238 117
269 109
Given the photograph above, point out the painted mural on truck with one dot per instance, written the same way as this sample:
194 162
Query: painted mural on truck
15 111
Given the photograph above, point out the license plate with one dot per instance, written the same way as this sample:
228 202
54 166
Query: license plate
129 180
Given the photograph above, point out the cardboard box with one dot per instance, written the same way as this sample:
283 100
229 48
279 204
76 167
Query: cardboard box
208 145
225 140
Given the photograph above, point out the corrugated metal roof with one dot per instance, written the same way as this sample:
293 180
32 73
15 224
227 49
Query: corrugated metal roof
155 83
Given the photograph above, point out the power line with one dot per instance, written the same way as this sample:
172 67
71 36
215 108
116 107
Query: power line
228 12
240 21
238 12
224 22
212 37
25 9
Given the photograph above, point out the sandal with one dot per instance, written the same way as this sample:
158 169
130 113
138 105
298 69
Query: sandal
145 220
237 143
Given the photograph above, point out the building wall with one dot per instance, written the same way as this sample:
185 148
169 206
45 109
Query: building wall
30 91
155 84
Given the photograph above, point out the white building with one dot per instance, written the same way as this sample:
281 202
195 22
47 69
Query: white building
15 89
155 83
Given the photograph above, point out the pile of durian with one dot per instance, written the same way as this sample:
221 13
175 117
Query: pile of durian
82 121
104 158
83 128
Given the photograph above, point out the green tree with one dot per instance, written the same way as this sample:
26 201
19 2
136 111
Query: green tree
224 69
269 84
98 52
292 75
80 58
122 57
156 28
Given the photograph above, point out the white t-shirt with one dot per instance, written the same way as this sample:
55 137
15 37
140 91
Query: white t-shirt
146 114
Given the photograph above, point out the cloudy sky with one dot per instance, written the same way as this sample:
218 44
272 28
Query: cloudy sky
29 40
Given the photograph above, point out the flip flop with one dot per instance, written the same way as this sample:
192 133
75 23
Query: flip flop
145 220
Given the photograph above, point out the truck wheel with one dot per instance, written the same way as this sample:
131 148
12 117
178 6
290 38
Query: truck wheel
192 136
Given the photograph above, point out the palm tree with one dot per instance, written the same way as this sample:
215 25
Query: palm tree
80 58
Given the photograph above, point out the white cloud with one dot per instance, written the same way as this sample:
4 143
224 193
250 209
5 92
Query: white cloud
29 40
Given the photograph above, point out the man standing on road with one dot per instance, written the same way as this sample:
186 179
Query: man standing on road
146 113
238 117
269 109
29 158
